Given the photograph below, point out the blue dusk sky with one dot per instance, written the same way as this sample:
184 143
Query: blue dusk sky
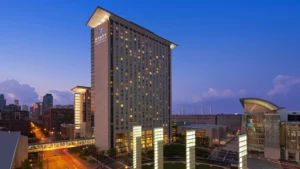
227 49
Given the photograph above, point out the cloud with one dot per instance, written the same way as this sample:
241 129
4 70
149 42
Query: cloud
62 97
283 84
212 93
12 89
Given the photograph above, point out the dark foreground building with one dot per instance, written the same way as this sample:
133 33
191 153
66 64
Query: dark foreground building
54 117
15 121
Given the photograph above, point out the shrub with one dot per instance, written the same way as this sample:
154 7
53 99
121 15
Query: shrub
26 165
112 152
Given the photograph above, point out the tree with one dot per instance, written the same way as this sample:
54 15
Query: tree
100 155
25 165
89 151
150 154
92 150
202 141
31 135
180 138
112 152
40 163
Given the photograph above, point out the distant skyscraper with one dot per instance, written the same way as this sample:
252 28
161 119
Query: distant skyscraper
131 81
2 102
16 102
47 101
35 112
25 107
40 108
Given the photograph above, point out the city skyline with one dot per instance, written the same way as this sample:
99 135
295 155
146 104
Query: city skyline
229 58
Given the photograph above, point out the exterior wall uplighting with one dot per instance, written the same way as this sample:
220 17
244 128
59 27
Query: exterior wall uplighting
190 149
158 147
137 134
243 151
77 110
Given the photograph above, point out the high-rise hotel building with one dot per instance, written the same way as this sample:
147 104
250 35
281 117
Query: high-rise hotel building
131 81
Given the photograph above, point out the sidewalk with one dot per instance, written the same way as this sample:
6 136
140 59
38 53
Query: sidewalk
261 157
85 162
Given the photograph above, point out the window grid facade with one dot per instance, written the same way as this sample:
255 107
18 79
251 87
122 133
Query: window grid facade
138 66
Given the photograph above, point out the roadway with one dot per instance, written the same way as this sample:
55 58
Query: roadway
39 134
61 159
56 159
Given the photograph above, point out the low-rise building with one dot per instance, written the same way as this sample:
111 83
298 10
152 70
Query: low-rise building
214 132
13 149
271 130
22 126
14 115
15 121
67 131
54 117
232 121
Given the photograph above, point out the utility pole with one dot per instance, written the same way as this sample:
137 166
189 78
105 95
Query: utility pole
210 110
202 109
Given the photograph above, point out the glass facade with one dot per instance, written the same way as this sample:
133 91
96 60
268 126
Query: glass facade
290 135
272 133
258 118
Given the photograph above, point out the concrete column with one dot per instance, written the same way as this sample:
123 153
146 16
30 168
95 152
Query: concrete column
190 149
297 156
137 147
242 151
128 141
158 148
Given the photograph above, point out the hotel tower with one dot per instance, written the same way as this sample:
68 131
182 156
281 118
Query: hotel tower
131 81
